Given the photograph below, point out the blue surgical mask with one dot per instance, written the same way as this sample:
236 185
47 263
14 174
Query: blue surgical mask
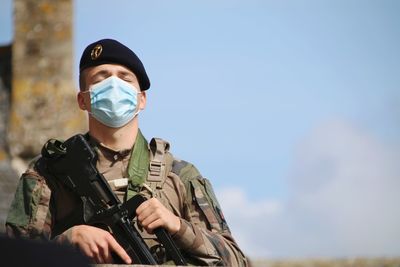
113 102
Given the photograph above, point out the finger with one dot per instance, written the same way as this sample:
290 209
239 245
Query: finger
96 253
149 219
119 250
145 213
154 225
154 207
142 207
87 252
107 257
148 204
106 253
99 259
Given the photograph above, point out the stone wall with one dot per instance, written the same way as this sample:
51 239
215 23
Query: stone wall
37 92
43 95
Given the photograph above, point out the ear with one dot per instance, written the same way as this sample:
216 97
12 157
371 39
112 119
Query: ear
142 100
80 98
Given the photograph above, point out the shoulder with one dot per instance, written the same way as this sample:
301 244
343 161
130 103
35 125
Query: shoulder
160 151
184 169
32 169
185 172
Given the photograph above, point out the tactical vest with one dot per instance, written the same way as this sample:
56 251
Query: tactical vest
159 167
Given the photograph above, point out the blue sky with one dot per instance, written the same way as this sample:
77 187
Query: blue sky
290 106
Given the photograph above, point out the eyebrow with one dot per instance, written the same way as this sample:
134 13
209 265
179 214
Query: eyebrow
100 73
126 73
106 73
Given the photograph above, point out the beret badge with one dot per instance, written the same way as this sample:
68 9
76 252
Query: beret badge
96 51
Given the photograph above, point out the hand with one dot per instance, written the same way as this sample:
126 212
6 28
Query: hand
153 214
97 244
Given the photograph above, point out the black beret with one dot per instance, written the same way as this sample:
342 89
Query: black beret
108 51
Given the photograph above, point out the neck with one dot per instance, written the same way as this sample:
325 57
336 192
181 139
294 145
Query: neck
114 138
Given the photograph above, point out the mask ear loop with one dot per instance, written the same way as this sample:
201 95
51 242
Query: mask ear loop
137 105
84 92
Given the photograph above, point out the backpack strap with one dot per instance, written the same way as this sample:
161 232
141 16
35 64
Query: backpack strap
160 163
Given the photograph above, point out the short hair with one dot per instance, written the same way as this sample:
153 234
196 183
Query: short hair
82 81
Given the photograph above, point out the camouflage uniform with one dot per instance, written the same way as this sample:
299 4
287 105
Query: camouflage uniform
204 237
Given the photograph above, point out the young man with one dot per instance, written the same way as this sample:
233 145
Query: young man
113 84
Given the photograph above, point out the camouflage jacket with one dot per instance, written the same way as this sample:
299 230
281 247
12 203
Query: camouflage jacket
204 237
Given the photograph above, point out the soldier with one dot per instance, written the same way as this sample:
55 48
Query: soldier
113 84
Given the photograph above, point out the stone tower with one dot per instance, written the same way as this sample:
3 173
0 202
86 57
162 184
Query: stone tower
43 92
37 92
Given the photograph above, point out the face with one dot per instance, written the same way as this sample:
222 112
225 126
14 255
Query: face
93 75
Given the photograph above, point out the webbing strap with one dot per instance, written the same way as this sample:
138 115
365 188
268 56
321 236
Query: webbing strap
148 169
138 166
158 163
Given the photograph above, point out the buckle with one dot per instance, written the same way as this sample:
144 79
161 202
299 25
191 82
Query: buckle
155 167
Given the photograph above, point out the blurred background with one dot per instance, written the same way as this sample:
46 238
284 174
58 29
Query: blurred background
290 108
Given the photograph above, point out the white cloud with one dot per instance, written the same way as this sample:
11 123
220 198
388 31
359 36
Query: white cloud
344 195
246 217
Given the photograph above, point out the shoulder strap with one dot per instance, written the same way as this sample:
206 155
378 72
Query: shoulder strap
160 163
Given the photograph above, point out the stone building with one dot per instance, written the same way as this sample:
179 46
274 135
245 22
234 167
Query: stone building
36 87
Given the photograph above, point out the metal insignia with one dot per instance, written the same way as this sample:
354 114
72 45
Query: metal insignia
96 51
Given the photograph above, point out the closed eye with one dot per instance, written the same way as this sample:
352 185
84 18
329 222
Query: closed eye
98 77
126 76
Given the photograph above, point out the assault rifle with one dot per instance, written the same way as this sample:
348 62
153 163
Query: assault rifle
73 162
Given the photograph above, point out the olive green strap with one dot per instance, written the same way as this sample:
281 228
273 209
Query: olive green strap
148 166
138 166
